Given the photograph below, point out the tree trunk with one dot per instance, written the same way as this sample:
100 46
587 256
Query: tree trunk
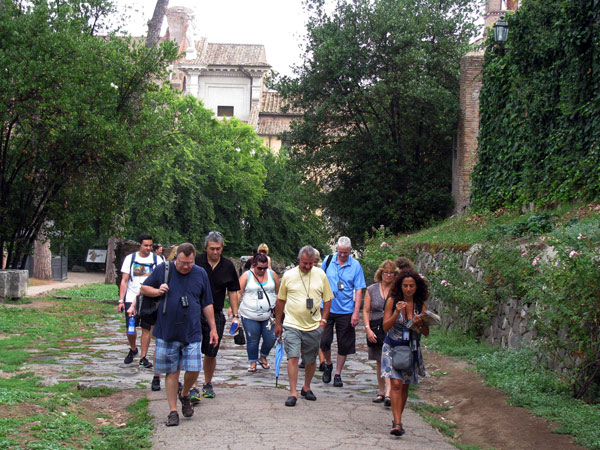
110 274
155 23
42 259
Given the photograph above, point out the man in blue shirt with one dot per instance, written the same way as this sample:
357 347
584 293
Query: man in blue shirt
347 281
178 330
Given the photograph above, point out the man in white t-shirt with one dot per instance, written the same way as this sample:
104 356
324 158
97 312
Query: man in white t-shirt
134 271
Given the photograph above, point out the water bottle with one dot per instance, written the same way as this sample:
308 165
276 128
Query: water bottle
131 325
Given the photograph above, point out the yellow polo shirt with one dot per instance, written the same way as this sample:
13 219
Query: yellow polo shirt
295 288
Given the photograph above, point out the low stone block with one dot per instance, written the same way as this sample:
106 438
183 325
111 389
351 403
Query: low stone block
13 283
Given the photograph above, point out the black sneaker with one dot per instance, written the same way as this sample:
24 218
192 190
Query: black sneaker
327 373
195 396
337 381
155 384
129 358
186 406
208 391
301 365
145 363
173 419
322 367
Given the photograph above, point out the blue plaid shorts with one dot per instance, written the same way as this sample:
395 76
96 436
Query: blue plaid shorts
171 356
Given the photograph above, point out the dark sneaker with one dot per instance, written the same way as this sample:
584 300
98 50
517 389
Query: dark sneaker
145 363
308 395
291 401
186 406
337 381
155 384
208 391
387 402
195 396
179 389
173 419
322 367
129 358
327 373
301 365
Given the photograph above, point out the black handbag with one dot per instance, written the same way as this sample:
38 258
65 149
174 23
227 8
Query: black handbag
377 327
240 336
146 307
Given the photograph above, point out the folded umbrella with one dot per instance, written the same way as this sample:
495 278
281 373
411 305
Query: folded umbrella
278 359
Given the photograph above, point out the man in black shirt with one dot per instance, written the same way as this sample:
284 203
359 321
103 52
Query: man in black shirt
223 280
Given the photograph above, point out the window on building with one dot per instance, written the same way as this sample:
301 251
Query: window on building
225 111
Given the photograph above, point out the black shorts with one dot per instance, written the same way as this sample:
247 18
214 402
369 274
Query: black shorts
207 349
344 331
146 322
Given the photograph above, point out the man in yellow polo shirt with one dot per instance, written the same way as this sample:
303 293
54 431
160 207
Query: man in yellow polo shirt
300 294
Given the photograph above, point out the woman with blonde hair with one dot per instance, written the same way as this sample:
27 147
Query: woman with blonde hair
263 248
374 305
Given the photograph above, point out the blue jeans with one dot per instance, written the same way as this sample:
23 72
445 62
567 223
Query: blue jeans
254 330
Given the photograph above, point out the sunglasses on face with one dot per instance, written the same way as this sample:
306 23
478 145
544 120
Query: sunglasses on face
261 268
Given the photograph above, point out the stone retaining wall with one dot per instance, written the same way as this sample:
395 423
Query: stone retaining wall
511 326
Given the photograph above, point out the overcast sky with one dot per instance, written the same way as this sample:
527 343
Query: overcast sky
277 24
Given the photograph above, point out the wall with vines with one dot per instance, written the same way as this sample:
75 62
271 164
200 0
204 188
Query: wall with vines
540 108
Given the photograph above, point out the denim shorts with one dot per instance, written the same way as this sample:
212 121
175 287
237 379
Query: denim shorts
171 356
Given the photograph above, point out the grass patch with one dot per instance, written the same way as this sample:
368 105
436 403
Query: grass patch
60 418
430 413
519 374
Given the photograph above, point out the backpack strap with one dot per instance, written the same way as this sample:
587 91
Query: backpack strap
166 281
328 261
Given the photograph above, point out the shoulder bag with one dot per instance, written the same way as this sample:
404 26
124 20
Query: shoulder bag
148 306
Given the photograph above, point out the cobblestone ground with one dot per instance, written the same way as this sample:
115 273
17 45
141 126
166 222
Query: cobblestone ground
248 411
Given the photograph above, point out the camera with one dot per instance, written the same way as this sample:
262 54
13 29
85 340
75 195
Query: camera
260 295
184 301
309 303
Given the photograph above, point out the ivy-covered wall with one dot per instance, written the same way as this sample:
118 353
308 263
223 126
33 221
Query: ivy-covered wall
539 136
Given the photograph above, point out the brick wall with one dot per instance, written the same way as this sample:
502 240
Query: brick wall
465 154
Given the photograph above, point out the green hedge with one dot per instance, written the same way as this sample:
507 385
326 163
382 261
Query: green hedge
540 108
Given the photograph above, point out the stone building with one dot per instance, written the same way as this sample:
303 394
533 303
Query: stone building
228 78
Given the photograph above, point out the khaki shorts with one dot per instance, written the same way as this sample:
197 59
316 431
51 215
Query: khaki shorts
306 342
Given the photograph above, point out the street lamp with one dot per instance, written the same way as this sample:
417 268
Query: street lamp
501 31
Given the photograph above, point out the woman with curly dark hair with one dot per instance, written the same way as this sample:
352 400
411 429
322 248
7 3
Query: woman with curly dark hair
409 294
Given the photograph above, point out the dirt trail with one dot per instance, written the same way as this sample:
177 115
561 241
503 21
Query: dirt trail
482 413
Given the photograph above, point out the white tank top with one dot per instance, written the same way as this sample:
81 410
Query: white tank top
253 307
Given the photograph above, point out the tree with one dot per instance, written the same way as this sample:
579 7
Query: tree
208 174
379 87
155 23
71 115
217 175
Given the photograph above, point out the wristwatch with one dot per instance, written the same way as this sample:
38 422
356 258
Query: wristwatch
235 316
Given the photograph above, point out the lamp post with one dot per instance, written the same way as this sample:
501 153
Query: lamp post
501 31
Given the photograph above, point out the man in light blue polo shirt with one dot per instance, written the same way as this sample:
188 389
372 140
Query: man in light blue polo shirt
347 281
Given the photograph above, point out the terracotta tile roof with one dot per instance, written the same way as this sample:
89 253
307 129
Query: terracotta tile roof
272 127
272 102
230 54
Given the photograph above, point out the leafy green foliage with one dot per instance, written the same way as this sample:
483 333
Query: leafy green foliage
379 87
539 136
71 116
218 175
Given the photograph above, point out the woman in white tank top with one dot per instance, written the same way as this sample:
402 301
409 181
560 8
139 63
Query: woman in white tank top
258 291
